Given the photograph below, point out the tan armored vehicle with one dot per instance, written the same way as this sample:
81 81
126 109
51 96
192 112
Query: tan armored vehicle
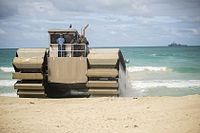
72 71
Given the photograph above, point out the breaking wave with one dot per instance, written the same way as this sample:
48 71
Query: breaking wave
7 82
165 83
146 68
7 69
140 88
153 54
14 94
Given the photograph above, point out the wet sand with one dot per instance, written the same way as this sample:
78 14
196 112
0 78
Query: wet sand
101 115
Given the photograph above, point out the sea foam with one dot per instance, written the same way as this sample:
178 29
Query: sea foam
165 83
7 69
146 68
14 94
7 82
140 88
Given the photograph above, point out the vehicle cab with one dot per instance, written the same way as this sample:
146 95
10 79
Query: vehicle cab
71 66
72 47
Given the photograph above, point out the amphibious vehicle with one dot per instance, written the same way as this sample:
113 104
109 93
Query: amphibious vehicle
73 71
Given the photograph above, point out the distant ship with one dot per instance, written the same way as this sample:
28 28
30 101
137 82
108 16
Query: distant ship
177 45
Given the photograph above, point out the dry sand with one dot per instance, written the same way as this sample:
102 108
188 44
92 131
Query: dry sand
118 115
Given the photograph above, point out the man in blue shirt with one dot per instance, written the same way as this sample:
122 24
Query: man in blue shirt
61 47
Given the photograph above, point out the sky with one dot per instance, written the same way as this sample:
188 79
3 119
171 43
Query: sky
112 23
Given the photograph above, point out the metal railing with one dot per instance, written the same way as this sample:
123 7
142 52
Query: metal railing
68 50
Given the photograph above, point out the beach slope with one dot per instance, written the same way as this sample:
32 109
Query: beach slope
83 115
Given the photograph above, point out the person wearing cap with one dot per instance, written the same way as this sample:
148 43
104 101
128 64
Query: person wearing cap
61 48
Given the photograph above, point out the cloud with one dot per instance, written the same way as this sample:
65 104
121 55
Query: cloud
80 7
2 31
113 32
195 31
112 22
8 8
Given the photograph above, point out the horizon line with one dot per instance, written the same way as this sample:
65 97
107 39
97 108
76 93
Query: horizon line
105 46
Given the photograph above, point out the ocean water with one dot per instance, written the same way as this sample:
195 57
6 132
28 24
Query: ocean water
162 71
151 71
6 70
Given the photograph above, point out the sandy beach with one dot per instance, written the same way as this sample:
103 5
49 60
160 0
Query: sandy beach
83 115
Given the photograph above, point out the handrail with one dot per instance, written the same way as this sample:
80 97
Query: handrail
74 44
69 49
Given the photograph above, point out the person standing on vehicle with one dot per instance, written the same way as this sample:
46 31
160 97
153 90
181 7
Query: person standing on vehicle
61 47
85 41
